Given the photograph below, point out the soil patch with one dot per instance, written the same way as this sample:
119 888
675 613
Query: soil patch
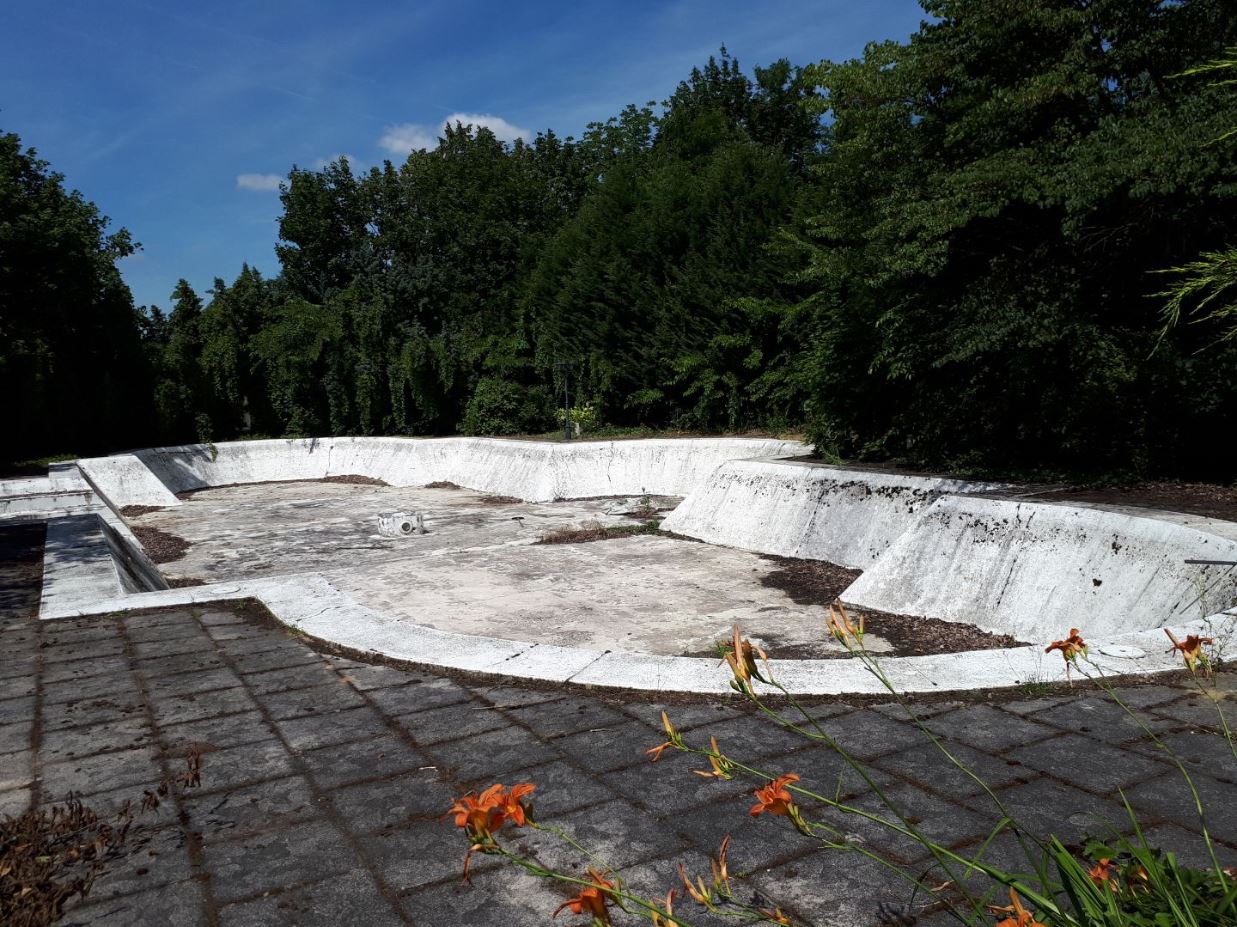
499 500
137 511
161 546
355 479
808 582
595 531
913 636
815 582
182 582
443 484
1206 499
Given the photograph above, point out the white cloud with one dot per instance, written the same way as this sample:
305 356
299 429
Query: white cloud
353 162
412 136
402 139
261 182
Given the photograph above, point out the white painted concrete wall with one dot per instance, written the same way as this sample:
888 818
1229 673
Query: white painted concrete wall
25 486
796 509
310 603
27 499
48 503
530 470
1029 569
1035 570
670 467
125 480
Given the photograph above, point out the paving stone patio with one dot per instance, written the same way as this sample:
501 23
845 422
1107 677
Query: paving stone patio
324 779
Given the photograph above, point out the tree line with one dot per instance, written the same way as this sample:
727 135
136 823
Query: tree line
946 253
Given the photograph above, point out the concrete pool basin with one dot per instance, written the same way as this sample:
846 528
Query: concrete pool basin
478 593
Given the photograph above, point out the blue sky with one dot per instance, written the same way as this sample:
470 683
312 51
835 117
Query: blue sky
178 119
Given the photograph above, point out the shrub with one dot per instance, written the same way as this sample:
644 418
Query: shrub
585 416
500 407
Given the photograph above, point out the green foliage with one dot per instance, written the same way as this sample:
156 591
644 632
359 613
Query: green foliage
1204 286
73 369
500 407
640 285
941 253
995 193
1145 886
585 416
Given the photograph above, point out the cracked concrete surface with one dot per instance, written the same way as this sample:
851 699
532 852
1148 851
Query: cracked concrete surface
479 571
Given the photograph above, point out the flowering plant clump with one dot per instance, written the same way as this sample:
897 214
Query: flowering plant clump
1191 650
483 816
1117 882
593 899
1073 648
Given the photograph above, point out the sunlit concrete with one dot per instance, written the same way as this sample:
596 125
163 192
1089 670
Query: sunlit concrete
473 593
1034 569
537 471
478 569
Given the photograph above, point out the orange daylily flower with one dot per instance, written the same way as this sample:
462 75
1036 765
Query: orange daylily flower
659 918
1191 649
513 804
592 899
655 752
1071 647
741 654
1019 916
1102 873
721 765
478 815
482 816
775 797
841 627
774 917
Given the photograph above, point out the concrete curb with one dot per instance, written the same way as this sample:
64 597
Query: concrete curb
310 603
